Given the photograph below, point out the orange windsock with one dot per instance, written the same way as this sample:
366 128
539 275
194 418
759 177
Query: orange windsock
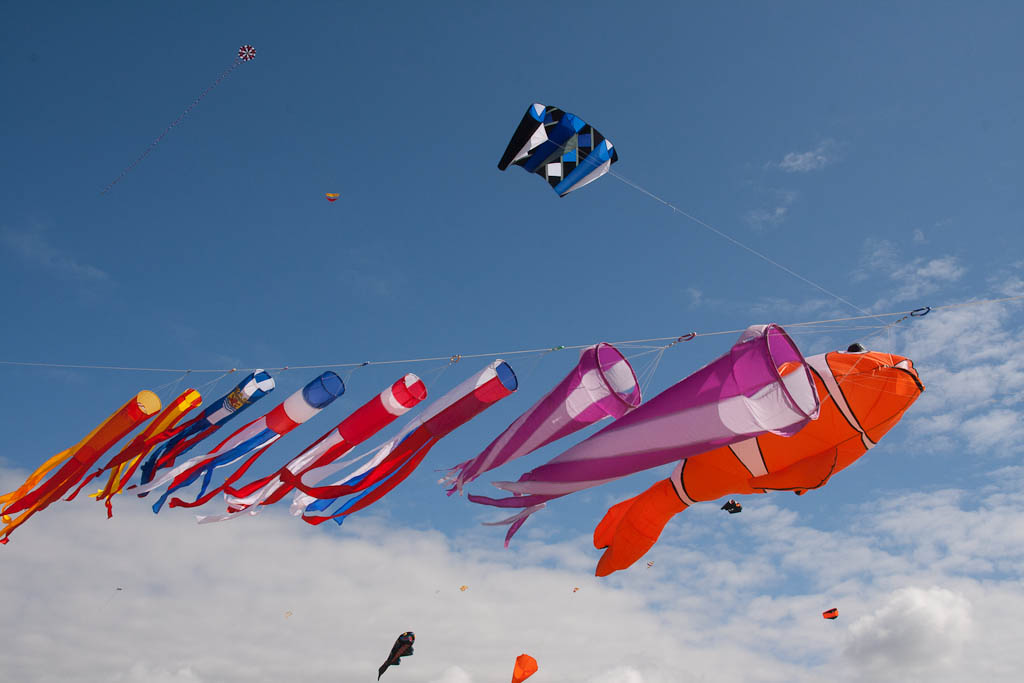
163 427
79 459
525 667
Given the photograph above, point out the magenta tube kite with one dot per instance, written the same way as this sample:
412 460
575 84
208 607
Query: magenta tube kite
601 385
761 385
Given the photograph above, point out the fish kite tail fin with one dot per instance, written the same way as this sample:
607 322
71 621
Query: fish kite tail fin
631 527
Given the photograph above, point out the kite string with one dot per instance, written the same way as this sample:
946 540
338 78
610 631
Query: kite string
175 122
723 235
735 241
451 360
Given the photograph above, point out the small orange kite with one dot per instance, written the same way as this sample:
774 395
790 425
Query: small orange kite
525 667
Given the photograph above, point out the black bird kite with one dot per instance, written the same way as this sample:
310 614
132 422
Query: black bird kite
401 648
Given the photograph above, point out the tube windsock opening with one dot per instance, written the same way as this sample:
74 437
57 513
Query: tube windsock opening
323 389
760 385
602 384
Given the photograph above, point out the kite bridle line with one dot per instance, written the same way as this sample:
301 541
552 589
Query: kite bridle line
798 326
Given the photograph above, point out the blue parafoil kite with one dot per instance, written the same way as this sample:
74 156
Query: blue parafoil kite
560 147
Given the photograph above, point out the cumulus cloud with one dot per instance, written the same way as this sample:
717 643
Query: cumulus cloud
622 674
1009 281
453 674
915 628
34 248
763 217
825 153
773 305
209 603
909 279
140 673
975 387
772 216
992 428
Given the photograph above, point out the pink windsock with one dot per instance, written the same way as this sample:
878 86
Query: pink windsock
601 385
761 385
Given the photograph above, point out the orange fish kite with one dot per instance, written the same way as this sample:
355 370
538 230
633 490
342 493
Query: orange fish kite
863 395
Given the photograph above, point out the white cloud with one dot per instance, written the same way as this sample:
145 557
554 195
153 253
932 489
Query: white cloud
622 674
453 674
946 268
764 217
771 305
915 628
140 673
1011 286
993 428
975 386
33 248
209 603
1009 281
910 279
825 153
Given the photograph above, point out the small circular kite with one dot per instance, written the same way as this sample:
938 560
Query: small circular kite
463 588
247 53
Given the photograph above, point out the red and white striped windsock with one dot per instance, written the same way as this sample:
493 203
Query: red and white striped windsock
370 418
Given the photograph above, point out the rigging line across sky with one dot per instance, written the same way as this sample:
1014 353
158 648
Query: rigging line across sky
457 357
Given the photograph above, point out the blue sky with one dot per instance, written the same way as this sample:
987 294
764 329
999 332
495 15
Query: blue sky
873 149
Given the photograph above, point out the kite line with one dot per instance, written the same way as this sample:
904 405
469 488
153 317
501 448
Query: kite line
736 242
569 153
246 53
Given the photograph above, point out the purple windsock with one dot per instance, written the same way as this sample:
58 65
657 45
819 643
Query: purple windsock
601 385
761 385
